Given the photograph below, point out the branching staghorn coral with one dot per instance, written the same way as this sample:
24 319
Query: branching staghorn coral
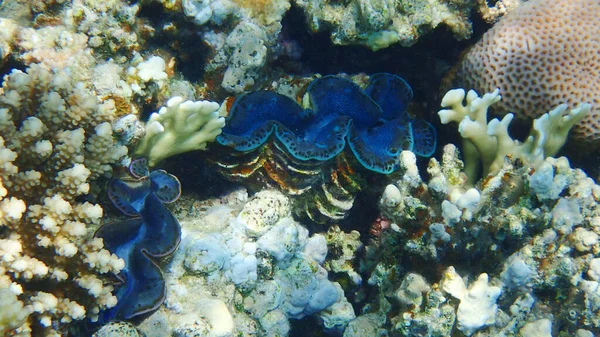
55 138
490 142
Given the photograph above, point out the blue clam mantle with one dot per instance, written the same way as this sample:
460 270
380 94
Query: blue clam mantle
151 233
373 122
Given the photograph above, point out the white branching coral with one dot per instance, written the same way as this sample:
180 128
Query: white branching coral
490 142
55 140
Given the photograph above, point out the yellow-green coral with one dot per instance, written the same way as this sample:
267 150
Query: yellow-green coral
490 142
180 127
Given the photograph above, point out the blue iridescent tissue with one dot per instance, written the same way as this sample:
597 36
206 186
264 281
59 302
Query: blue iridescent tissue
152 232
373 122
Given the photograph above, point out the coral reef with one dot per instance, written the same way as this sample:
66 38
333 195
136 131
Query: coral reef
343 248
8 29
304 143
241 54
179 127
58 147
152 234
499 9
527 238
512 254
246 268
477 306
527 233
374 123
379 24
487 144
56 140
497 231
240 51
117 329
539 55
244 54
103 45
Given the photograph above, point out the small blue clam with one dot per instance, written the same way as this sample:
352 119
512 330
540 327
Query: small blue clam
152 232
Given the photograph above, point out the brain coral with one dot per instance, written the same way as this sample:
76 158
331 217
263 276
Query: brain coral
540 55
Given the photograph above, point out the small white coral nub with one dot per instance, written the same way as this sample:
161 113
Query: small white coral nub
477 306
152 69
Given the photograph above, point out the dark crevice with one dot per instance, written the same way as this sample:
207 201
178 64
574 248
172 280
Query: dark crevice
11 64
179 37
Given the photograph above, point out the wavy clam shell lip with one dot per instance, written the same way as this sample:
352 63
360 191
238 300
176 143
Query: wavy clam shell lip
373 121
153 232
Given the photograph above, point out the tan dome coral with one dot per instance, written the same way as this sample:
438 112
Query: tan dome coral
540 55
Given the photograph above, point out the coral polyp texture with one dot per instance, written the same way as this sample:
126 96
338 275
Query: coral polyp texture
153 232
500 258
540 55
340 124
487 144
379 24
56 140
179 127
